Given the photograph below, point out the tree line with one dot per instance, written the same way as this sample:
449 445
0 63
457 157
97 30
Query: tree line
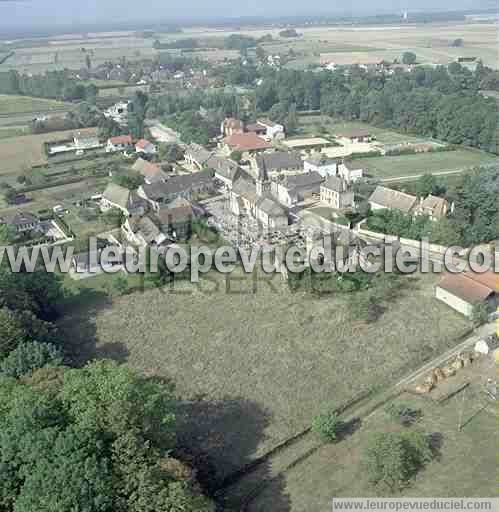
442 103
52 84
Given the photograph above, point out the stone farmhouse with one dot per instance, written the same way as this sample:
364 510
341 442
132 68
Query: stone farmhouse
387 198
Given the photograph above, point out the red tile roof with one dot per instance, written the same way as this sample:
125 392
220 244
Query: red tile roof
142 143
121 139
467 287
489 279
246 142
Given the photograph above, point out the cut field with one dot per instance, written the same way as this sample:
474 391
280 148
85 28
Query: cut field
466 466
256 366
11 104
424 163
20 153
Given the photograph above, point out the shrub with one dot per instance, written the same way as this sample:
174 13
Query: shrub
327 426
403 414
392 459
28 357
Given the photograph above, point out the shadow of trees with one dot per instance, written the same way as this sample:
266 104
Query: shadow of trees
221 439
78 331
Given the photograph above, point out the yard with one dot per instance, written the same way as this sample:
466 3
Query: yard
466 467
254 368
415 165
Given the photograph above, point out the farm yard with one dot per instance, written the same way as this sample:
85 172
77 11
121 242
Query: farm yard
265 361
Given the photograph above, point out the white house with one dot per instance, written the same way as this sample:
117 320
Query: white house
274 131
348 173
145 147
336 194
119 143
322 164
296 188
83 142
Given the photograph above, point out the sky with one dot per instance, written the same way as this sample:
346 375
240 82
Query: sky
42 13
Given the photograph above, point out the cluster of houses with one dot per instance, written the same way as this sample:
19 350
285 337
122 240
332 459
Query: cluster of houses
125 143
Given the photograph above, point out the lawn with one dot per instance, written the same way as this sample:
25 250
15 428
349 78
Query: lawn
407 165
466 467
10 104
256 367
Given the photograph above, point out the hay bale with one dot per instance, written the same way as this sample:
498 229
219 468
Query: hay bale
439 374
448 371
467 358
431 379
424 388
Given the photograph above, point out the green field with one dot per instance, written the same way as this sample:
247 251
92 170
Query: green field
259 366
414 165
467 465
10 104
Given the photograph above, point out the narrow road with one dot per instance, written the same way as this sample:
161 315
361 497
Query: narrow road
416 176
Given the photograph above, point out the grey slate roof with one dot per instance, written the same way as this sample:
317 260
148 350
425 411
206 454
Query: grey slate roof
177 184
279 161
146 227
198 153
245 188
303 180
393 199
223 166
335 183
22 219
271 207
321 159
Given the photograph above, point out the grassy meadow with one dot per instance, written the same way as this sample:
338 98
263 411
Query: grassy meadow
257 366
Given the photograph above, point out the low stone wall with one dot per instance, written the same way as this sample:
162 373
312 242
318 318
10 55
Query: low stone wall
434 248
